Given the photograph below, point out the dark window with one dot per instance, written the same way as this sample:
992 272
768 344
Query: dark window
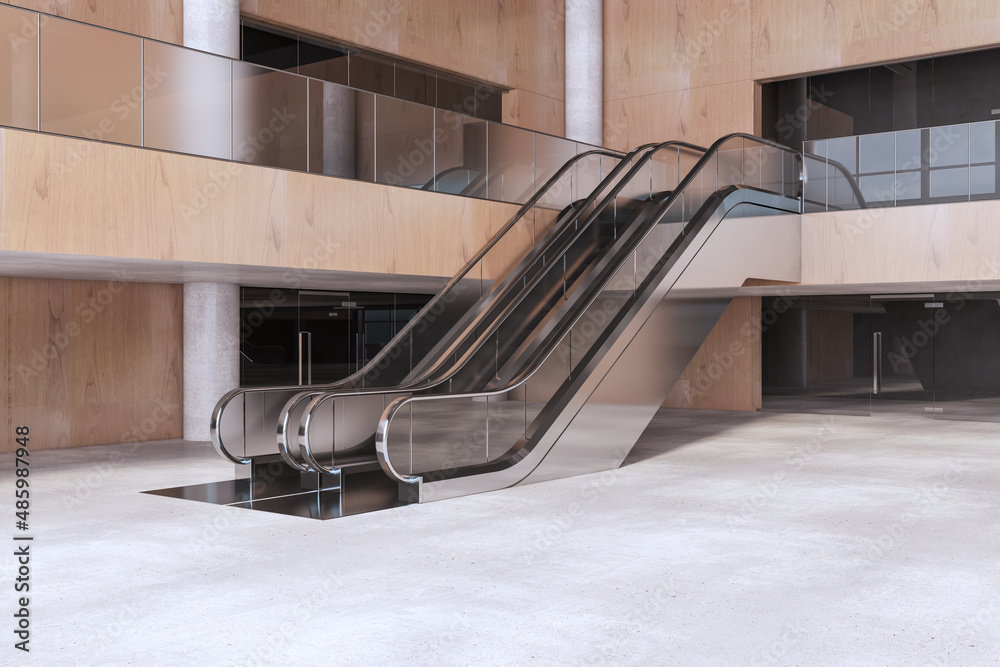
323 62
270 49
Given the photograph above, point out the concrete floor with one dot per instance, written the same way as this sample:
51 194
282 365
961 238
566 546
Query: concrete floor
727 539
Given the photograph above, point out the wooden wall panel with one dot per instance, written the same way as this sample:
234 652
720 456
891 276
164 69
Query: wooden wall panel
973 242
94 362
541 48
725 372
516 44
534 112
7 439
878 245
475 38
85 198
38 345
158 19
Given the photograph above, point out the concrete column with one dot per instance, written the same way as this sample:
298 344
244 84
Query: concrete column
211 351
213 26
338 131
585 71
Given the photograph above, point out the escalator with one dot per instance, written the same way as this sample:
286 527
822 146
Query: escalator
549 362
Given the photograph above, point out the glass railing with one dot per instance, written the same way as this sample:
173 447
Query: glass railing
69 78
923 166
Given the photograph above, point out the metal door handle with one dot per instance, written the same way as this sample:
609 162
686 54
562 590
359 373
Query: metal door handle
305 358
876 362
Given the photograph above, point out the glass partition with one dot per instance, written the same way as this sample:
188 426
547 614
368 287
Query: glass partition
269 117
186 102
290 109
19 68
923 166
510 155
404 143
98 96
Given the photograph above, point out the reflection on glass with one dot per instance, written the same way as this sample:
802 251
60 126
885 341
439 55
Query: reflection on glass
876 153
506 420
98 96
844 151
953 182
269 117
456 96
188 111
908 150
415 85
908 186
404 143
551 153
949 146
511 168
448 433
982 139
323 62
878 189
19 68
984 180
489 104
372 74
270 48
460 143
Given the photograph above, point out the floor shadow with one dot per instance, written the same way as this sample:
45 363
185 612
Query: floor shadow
674 428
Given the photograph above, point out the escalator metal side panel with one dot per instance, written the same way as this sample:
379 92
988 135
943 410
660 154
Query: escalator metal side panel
655 335
624 401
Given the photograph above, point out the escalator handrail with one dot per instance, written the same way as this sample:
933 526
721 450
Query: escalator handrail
855 188
392 408
217 412
427 379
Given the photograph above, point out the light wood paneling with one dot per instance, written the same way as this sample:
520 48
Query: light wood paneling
7 440
534 112
541 48
699 115
718 41
38 348
725 372
876 245
158 19
973 240
86 198
799 36
471 37
94 362
385 230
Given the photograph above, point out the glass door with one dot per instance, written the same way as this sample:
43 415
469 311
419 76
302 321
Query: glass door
324 337
904 335
966 364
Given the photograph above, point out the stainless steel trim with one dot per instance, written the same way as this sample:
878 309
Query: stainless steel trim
305 358
876 362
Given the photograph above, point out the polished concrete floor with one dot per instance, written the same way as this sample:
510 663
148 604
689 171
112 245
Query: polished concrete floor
727 539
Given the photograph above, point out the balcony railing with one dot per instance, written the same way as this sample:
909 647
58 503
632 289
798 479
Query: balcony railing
69 78
922 166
